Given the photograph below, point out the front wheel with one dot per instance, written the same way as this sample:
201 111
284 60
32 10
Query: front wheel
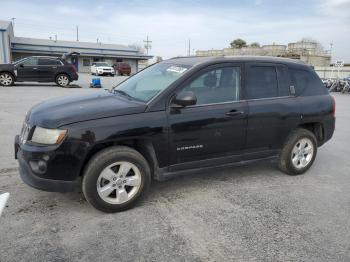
6 79
298 153
62 80
115 179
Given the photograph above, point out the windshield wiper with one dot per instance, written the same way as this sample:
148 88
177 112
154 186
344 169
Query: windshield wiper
121 92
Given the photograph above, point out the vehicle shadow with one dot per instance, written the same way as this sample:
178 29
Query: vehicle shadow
169 189
35 84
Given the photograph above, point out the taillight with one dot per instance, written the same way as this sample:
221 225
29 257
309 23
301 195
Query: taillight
333 106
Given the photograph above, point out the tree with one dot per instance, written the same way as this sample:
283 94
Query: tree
238 43
255 44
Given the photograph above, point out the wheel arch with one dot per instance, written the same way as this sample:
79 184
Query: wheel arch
62 73
317 129
9 72
143 146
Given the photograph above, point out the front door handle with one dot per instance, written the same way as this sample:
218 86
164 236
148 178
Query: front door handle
234 113
35 68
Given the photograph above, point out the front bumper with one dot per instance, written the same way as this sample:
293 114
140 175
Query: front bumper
32 179
106 72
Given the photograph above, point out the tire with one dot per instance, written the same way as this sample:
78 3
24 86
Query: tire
114 199
62 80
296 160
6 79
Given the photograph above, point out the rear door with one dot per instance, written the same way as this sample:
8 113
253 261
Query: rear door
47 68
273 110
27 70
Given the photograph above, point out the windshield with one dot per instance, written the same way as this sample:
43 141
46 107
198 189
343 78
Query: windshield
101 64
146 84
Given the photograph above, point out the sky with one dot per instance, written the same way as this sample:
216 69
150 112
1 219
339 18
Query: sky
170 24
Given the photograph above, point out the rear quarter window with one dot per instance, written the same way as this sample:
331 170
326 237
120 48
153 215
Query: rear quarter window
306 82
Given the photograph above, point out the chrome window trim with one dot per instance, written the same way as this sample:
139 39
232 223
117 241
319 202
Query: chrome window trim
269 98
237 101
221 103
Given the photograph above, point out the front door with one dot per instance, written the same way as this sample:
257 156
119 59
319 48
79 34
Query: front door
27 70
214 130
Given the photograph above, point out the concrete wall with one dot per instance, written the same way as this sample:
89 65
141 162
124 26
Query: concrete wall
5 53
326 72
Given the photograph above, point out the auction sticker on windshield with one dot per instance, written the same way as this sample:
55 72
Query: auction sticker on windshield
176 69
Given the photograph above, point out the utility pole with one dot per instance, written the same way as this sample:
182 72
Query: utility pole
56 38
97 40
13 21
148 45
77 33
189 47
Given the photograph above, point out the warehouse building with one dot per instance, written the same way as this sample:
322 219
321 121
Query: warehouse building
13 48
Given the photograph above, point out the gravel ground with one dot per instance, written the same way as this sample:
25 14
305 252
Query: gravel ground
251 213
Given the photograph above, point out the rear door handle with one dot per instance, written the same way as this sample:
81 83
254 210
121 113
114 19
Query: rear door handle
234 113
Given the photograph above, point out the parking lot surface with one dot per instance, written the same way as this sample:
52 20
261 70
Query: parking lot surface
250 213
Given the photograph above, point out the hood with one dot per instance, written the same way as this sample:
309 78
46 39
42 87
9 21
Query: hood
67 110
7 67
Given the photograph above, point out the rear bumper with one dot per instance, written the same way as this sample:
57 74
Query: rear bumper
74 77
124 71
33 180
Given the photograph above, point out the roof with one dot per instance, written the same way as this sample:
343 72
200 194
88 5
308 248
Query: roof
195 60
4 24
71 44
52 47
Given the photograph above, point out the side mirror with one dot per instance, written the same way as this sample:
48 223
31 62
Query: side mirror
184 99
21 65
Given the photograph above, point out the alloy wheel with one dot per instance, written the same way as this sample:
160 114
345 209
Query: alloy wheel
302 153
6 79
63 80
119 182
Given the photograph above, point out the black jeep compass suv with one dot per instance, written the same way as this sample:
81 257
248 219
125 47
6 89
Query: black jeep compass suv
38 69
180 115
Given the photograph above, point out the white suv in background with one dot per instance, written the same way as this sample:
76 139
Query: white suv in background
102 68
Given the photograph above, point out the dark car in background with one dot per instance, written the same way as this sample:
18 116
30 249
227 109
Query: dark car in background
122 68
38 69
175 117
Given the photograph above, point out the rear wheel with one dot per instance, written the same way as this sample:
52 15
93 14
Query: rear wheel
6 79
62 80
298 153
115 179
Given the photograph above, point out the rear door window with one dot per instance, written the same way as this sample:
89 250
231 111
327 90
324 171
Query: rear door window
48 62
261 82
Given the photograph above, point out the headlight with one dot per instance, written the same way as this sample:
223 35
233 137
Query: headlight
48 136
